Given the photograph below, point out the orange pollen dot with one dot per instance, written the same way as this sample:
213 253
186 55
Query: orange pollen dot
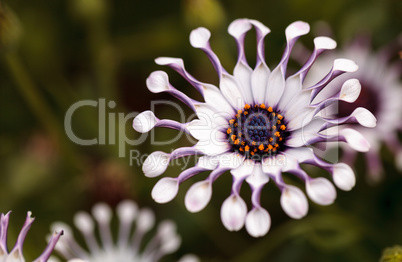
262 106
237 115
236 124
243 143
239 111
252 153
271 139
229 131
278 122
261 147
245 113
276 145
273 127
241 149
247 148
231 121
273 114
236 142
280 139
266 150
277 134
253 143
240 134
283 127
255 149
274 149
280 117
247 106
233 137
270 109
270 147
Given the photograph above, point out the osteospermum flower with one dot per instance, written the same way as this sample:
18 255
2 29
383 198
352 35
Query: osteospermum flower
381 94
15 255
128 247
257 124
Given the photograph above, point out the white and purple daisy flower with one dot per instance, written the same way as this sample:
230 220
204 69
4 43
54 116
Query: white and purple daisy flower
16 255
381 94
258 124
129 246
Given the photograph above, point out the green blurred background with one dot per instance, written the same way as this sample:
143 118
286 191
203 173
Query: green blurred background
56 53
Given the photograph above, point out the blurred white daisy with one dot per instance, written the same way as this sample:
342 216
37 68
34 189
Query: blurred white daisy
257 124
381 93
15 255
128 246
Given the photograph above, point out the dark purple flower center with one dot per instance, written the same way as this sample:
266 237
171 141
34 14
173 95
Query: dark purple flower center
257 132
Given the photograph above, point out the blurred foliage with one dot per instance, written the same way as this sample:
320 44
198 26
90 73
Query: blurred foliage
57 53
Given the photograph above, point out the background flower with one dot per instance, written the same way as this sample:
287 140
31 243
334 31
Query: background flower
16 255
64 52
128 246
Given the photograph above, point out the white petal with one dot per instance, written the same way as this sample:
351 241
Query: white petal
276 85
355 140
76 260
257 177
102 213
189 258
233 213
212 149
230 160
345 65
294 202
145 220
127 210
165 190
321 191
350 90
166 229
302 136
323 42
243 170
171 245
84 222
200 129
344 177
208 162
199 37
214 98
364 117
158 82
155 164
231 91
259 82
144 121
293 87
242 74
297 29
198 196
258 222
238 27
